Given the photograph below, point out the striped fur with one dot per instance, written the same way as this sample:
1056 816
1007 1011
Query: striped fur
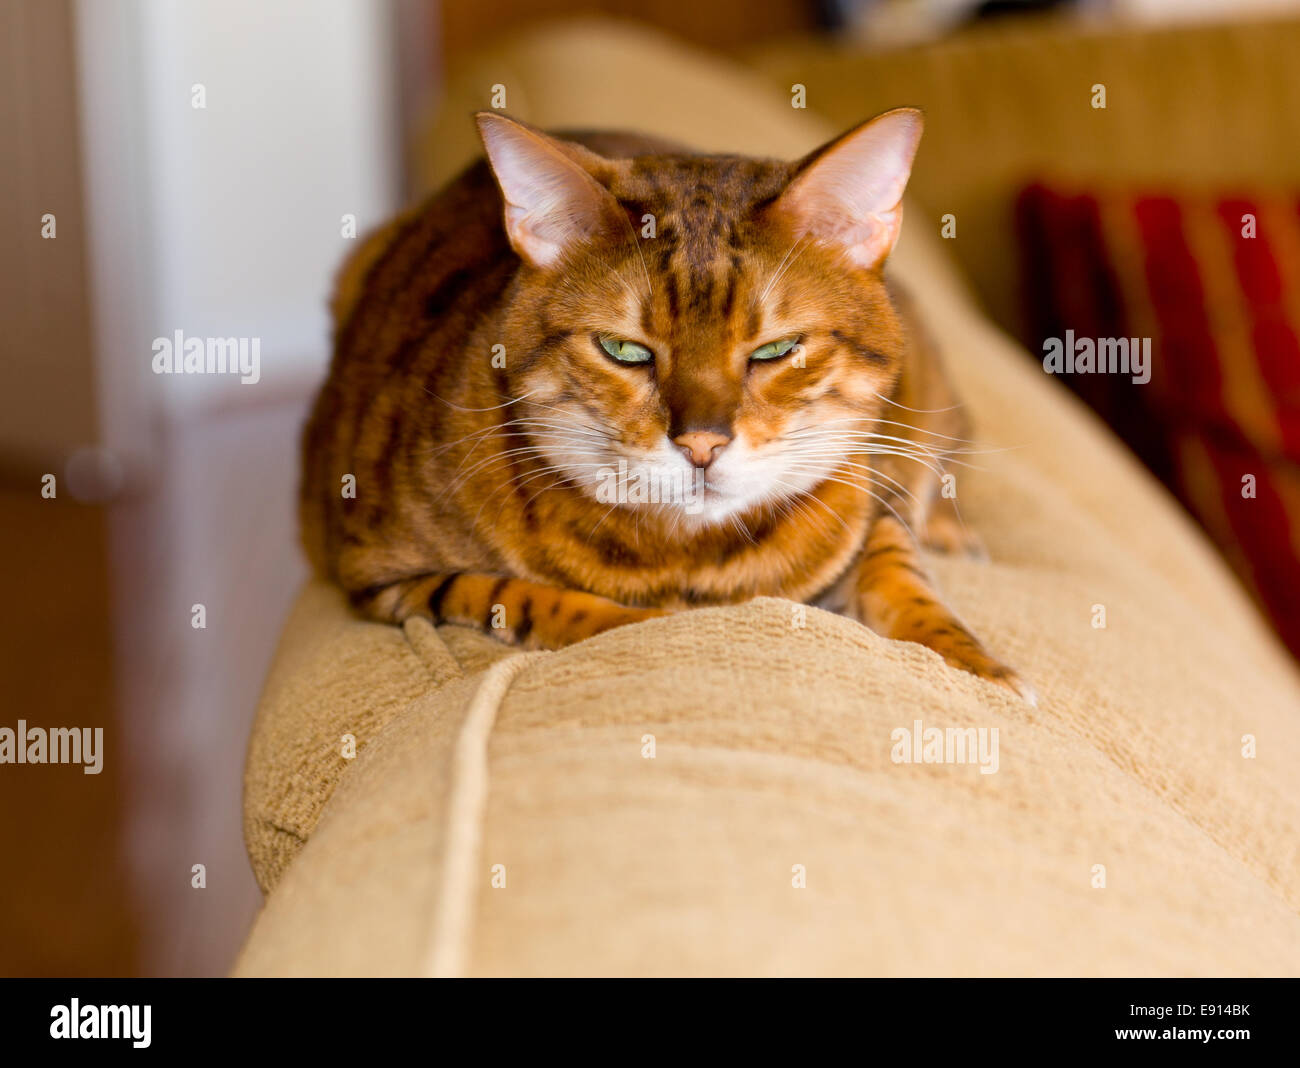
474 477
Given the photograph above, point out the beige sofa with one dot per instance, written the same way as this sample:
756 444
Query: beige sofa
717 792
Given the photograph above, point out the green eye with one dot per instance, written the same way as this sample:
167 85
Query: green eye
625 351
774 350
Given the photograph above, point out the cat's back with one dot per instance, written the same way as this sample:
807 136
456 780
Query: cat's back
404 303
398 278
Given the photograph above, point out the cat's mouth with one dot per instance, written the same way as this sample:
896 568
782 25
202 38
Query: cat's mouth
665 482
661 479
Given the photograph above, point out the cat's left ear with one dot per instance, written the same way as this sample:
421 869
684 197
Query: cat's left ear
849 193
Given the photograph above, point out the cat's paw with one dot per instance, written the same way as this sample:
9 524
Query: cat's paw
962 650
622 616
976 661
581 616
1017 685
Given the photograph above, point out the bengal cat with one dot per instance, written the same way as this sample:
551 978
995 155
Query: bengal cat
574 320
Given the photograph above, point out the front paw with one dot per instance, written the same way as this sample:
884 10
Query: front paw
580 616
963 651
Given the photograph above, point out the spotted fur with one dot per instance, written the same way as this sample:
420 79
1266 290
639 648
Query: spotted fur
471 402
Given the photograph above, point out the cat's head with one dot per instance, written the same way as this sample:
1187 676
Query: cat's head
714 329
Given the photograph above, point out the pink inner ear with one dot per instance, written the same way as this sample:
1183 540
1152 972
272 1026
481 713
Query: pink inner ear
850 194
552 204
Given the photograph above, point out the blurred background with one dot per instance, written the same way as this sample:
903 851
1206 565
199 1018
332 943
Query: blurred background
204 165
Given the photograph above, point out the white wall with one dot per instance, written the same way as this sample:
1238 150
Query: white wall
231 218
222 222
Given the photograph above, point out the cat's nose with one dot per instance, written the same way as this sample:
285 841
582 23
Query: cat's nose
701 446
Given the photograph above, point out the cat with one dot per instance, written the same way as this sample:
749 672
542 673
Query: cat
577 305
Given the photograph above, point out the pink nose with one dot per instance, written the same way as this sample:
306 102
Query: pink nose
701 446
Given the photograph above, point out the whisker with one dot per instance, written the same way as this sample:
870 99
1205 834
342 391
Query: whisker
649 285
513 484
459 408
874 494
602 519
919 411
802 497
562 411
785 264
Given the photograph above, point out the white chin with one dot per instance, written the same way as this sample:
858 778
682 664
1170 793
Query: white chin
713 506
665 483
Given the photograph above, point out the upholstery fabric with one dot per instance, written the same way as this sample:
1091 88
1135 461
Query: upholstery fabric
647 802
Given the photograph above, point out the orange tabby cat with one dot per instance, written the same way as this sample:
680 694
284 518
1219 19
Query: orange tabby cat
601 378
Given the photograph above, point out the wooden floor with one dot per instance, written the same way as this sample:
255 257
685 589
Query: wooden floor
65 901
95 870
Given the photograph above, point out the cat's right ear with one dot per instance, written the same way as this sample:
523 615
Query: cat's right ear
552 201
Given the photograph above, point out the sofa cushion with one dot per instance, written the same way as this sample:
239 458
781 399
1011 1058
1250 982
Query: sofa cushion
722 791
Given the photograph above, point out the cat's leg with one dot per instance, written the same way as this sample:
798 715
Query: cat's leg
890 592
517 611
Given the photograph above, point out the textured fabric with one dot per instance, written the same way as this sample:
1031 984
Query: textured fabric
1213 280
774 742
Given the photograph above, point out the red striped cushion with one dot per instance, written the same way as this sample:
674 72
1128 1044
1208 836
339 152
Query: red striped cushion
1222 310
